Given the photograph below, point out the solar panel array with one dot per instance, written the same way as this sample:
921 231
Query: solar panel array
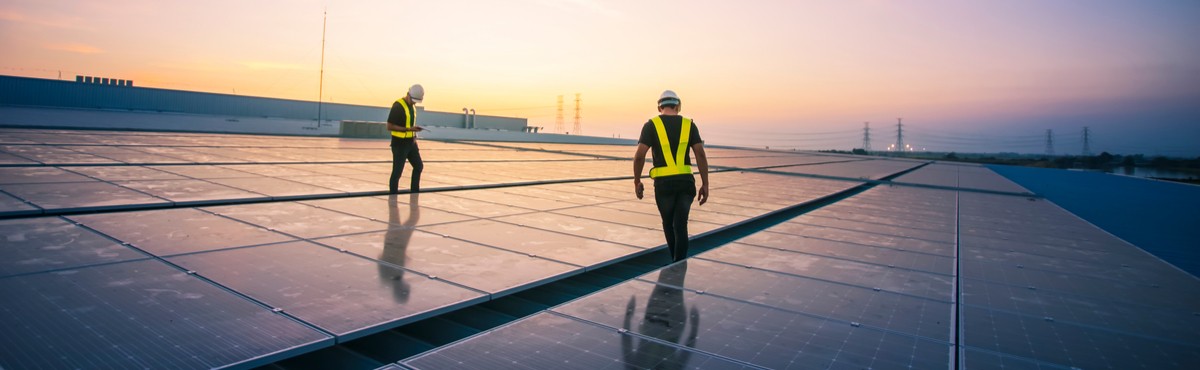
201 250
895 277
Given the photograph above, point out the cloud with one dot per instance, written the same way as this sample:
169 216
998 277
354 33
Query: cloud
75 48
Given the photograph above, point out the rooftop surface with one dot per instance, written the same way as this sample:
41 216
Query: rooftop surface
171 250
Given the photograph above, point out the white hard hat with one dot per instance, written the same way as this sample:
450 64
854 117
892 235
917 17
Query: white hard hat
668 97
417 93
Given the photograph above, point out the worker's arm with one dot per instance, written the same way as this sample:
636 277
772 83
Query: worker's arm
639 163
401 128
702 162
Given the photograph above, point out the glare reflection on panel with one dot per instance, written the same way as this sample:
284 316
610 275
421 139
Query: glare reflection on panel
643 237
190 190
384 208
559 247
38 175
274 187
206 172
176 231
86 196
449 203
345 294
298 219
487 269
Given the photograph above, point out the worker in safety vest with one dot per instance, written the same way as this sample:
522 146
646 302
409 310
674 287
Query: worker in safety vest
402 123
671 136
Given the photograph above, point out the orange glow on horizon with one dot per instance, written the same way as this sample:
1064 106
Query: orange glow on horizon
765 67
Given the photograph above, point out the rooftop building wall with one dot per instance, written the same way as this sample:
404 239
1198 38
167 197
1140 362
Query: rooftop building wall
37 92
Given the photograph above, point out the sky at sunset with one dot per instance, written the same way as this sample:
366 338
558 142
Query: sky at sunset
964 75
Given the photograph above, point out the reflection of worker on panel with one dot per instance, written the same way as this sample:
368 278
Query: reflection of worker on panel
395 243
664 320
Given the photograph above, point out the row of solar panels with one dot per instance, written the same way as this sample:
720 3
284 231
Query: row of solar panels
243 284
877 281
883 270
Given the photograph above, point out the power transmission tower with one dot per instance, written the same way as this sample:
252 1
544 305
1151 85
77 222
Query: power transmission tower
1087 142
867 137
558 120
900 134
578 126
1049 142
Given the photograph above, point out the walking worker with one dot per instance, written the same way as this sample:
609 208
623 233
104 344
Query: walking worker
671 136
402 123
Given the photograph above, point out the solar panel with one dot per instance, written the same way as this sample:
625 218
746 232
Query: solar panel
344 294
752 333
555 246
492 270
51 243
83 196
549 341
298 219
820 298
637 236
138 314
878 279
178 231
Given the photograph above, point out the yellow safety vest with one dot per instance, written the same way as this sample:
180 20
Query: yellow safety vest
410 116
676 164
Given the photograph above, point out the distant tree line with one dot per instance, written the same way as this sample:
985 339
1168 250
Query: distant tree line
1102 161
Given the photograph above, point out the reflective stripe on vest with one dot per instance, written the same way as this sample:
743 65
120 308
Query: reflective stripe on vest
675 163
409 117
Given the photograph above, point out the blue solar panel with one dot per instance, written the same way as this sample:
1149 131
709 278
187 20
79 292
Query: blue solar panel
346 295
549 341
748 332
141 314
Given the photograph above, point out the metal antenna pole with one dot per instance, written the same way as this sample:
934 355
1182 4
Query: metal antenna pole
321 85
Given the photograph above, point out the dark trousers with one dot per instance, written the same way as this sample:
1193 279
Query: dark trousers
674 199
405 149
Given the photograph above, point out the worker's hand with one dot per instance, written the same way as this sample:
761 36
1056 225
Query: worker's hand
638 189
418 128
702 194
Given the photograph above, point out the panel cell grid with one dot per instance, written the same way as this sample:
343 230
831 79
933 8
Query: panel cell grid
138 314
751 333
548 341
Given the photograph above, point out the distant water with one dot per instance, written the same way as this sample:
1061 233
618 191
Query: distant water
1152 172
